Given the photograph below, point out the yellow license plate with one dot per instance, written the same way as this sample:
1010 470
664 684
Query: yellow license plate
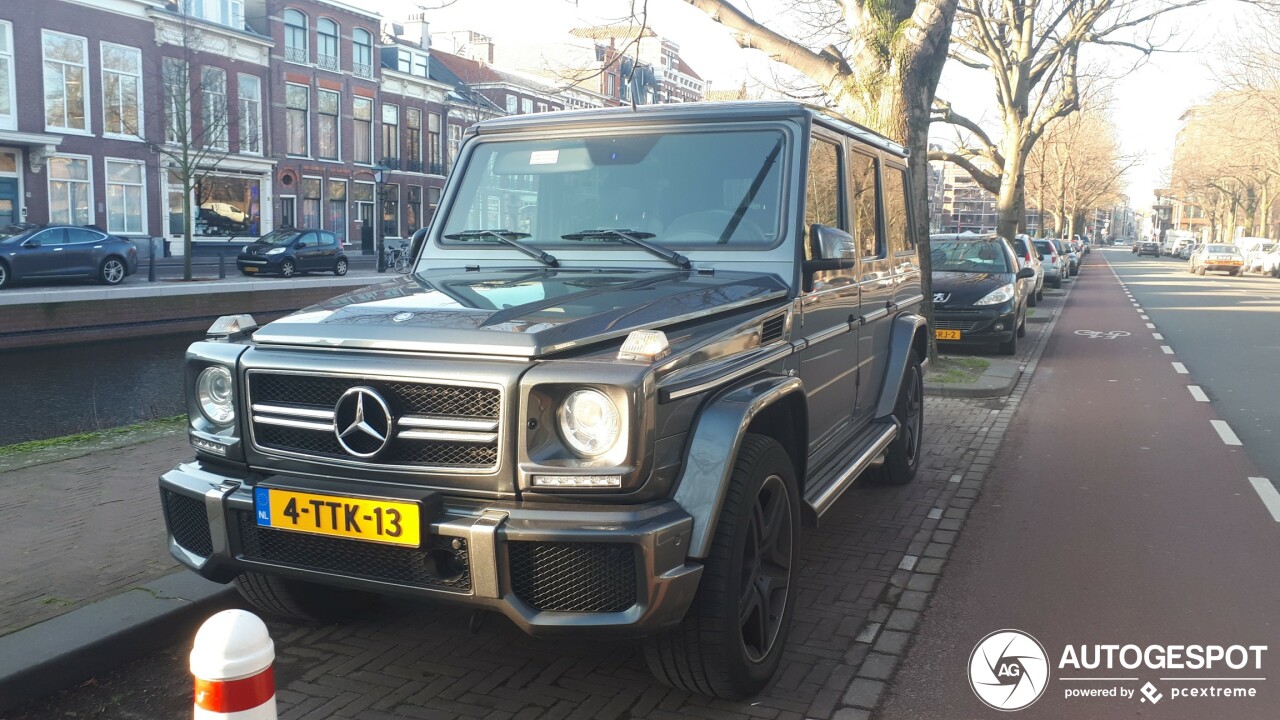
947 334
357 518
251 269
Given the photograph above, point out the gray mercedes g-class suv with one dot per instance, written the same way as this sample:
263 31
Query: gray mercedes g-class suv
636 352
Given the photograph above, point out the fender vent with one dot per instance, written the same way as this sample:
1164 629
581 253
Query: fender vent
772 328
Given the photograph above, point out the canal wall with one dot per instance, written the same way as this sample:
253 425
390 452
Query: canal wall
48 317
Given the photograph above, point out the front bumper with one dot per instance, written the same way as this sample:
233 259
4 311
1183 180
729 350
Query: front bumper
553 570
975 324
259 263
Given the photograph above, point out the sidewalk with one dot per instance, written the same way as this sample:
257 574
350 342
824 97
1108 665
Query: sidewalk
81 533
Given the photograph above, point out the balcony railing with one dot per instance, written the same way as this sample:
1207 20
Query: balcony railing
435 168
295 54
390 163
328 62
413 166
362 70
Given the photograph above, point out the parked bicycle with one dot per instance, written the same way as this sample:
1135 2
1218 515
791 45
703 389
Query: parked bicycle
399 260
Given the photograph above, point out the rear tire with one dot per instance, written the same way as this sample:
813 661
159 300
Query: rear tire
902 457
731 640
112 271
4 276
1057 283
1200 271
340 268
299 600
1031 299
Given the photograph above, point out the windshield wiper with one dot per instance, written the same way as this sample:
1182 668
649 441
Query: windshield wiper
510 237
634 237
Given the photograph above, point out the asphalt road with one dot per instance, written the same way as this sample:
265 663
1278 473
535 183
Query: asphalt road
1115 514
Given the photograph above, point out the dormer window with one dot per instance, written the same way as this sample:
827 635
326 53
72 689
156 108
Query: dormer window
222 12
411 63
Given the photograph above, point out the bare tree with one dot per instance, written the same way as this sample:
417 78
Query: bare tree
880 66
196 120
1076 166
1032 50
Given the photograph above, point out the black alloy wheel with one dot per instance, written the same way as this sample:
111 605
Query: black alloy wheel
902 457
766 569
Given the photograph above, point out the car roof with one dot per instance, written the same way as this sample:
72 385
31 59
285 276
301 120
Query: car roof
696 112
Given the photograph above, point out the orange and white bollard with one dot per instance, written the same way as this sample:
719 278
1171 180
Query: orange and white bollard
232 664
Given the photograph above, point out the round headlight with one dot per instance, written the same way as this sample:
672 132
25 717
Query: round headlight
213 392
589 422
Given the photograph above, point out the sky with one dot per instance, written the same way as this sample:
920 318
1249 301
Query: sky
1147 104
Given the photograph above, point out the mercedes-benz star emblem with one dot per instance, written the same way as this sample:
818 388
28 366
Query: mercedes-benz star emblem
401 317
362 421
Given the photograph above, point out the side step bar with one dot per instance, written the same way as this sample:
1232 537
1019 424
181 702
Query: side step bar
818 500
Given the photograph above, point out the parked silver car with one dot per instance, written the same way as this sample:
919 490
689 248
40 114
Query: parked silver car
1054 262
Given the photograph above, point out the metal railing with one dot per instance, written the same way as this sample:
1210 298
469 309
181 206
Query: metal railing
390 163
362 70
328 62
295 54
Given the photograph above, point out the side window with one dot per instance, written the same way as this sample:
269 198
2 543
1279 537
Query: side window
897 224
822 194
328 239
865 209
52 236
308 238
82 235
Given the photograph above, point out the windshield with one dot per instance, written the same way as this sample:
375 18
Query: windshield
278 238
689 189
9 231
970 256
1223 249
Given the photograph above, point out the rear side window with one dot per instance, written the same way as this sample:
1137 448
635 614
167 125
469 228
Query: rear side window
822 196
896 222
866 211
82 235
328 239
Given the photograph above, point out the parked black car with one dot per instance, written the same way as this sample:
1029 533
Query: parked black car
979 293
605 409
286 252
30 252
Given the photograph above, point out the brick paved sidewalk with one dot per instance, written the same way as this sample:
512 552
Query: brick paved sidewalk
863 580
80 530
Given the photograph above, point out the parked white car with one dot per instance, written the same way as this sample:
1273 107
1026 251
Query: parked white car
1271 262
1253 256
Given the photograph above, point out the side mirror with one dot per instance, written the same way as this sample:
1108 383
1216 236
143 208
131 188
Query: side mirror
1026 272
33 243
300 245
828 243
416 242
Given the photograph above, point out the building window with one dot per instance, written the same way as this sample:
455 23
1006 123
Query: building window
362 53
391 211
338 209
433 200
213 107
327 44
455 142
413 207
612 89
8 98
362 197
296 98
433 144
177 103
362 135
121 90
310 203
223 12
526 106
391 136
327 106
295 36
411 63
66 77
542 107
70 191
513 103
249 88
126 197
288 211
413 138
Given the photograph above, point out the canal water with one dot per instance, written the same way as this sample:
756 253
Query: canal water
48 392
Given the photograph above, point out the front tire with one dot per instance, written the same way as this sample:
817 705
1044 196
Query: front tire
112 271
731 640
299 600
287 269
1010 347
902 457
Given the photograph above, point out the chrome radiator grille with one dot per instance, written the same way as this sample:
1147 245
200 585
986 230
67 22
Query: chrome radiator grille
375 421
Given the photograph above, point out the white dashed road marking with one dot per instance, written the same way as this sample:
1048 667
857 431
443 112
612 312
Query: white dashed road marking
1225 432
1157 336
1166 349
1180 368
1197 393
1151 325
1270 497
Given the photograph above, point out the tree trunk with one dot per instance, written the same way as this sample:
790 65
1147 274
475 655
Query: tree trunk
1010 214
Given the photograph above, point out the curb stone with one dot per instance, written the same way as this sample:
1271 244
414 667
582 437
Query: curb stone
890 627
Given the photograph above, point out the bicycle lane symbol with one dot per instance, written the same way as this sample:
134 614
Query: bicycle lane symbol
1103 334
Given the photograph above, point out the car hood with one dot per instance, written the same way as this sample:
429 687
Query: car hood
516 313
962 289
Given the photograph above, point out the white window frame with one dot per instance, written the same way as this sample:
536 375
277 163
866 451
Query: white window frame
301 210
88 86
50 179
181 65
306 38
106 178
337 126
337 45
205 94
359 68
9 121
373 135
513 104
526 106
240 113
102 62
287 110
345 234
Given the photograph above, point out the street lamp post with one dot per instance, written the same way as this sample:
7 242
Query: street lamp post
378 209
